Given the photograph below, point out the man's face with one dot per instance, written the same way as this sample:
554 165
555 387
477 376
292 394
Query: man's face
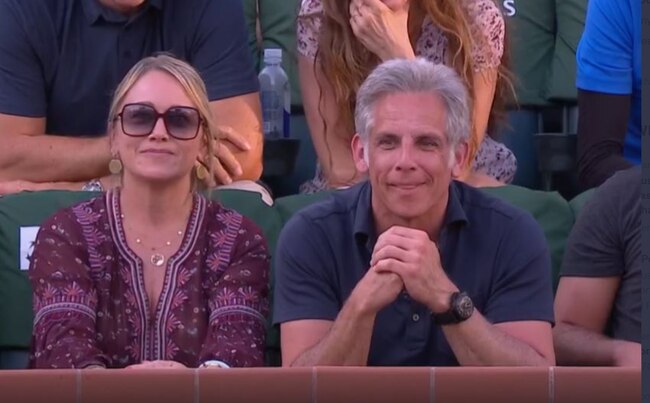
410 161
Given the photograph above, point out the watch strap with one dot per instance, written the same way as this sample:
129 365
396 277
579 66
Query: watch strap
451 316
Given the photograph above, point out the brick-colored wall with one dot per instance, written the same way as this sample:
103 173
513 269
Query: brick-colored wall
325 385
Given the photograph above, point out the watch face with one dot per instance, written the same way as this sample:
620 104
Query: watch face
464 307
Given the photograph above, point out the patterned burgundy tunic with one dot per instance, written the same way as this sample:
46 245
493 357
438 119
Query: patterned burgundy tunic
90 302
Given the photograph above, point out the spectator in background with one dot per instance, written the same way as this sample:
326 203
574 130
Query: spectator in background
60 62
341 41
152 274
598 300
411 267
609 90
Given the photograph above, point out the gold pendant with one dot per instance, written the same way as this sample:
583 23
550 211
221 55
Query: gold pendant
157 259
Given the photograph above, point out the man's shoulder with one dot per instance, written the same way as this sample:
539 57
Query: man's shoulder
618 199
34 9
627 181
200 8
334 212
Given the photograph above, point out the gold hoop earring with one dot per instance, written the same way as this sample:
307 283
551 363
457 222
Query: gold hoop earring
201 172
115 166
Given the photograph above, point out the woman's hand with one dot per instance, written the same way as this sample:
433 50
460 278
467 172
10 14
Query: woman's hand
381 28
156 364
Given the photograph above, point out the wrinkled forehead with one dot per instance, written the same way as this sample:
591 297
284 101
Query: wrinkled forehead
409 114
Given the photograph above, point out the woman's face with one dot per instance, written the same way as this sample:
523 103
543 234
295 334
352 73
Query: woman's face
157 148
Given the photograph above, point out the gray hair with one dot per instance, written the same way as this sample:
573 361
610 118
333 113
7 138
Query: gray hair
418 75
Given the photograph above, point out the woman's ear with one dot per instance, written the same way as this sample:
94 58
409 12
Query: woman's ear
110 133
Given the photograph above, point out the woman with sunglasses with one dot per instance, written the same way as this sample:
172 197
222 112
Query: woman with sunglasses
153 273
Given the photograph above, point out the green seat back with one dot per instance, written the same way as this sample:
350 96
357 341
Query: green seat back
551 211
570 18
531 33
19 212
578 202
289 205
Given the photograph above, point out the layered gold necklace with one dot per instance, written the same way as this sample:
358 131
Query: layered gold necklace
158 259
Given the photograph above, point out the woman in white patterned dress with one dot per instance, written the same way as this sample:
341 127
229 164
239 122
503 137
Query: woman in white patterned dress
341 41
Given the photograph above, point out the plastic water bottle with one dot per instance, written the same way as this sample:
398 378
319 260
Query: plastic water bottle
276 96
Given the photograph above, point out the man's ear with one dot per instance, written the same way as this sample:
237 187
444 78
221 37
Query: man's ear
359 154
459 165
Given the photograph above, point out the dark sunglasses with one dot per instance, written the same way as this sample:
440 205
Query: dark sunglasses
181 122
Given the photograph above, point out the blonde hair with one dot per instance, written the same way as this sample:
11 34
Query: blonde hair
192 84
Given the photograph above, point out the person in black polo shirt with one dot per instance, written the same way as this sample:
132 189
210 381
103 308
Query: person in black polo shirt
412 267
60 62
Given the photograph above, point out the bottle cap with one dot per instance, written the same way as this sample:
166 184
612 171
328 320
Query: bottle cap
272 55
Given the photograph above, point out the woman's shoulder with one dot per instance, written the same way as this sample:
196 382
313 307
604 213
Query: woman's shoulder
309 8
80 213
485 14
488 29
308 27
222 218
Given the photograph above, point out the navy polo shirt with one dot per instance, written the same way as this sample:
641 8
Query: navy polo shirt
63 59
495 252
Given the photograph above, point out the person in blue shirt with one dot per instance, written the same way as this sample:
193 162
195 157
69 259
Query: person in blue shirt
413 267
60 62
609 90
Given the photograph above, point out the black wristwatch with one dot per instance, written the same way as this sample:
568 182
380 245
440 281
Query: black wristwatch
461 308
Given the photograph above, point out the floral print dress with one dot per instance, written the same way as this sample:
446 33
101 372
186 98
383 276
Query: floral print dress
91 307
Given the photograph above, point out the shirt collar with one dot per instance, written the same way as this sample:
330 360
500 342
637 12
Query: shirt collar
455 212
93 10
364 223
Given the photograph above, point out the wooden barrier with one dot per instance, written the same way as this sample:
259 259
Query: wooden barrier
325 385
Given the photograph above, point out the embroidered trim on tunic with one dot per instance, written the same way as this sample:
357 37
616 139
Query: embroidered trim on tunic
233 309
64 307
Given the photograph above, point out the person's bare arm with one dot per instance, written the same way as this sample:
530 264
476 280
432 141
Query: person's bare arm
330 135
478 342
240 118
483 93
28 154
484 87
582 308
346 341
602 127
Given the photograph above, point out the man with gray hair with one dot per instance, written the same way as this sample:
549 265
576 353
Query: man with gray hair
412 267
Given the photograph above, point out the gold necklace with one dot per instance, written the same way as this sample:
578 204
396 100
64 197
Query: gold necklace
158 259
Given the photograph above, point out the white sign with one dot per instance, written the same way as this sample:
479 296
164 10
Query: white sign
27 240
